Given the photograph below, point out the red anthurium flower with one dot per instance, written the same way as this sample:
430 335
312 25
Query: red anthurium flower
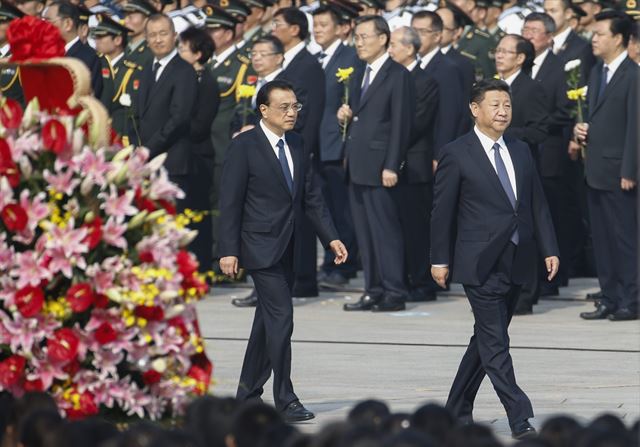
201 360
169 207
33 385
8 167
54 136
12 370
187 263
72 368
201 376
64 346
101 301
105 333
80 297
151 313
85 407
11 114
14 217
145 256
143 203
29 301
94 232
152 376
197 283
181 327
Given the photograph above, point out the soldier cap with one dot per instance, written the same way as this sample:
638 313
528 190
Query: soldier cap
377 4
496 4
8 12
262 4
346 10
578 11
632 9
482 4
83 14
142 6
235 8
108 27
217 17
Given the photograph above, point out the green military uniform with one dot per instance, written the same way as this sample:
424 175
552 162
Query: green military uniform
10 85
108 88
478 45
138 52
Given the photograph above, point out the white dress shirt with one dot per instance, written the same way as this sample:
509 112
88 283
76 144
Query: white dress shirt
537 63
163 62
424 60
512 78
560 39
613 66
4 50
487 145
446 49
291 53
273 140
115 60
329 52
412 65
375 68
220 58
70 44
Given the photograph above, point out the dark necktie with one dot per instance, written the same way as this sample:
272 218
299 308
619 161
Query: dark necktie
156 67
501 170
321 56
284 165
603 82
365 84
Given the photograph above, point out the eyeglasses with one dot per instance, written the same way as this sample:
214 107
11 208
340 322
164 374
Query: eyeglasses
278 24
363 37
255 54
504 51
533 31
285 108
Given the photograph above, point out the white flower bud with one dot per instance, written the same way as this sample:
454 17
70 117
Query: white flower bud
125 100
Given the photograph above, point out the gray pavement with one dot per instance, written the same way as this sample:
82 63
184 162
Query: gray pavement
565 364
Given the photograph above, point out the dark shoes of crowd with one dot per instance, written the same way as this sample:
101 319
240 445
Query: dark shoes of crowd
604 312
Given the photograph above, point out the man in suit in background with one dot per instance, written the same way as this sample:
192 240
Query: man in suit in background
488 190
291 27
380 113
415 189
611 167
327 22
553 159
167 100
268 184
65 16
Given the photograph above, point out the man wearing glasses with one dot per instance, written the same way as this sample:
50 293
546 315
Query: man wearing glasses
267 185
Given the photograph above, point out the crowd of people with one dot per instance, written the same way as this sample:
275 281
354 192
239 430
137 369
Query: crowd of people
33 421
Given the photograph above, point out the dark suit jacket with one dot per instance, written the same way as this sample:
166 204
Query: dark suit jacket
612 145
257 211
378 135
452 107
468 196
553 155
207 102
307 74
575 47
468 76
529 109
88 55
419 161
165 112
330 130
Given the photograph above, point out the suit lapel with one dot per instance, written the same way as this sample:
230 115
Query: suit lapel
166 74
298 169
332 65
612 83
379 79
518 168
267 151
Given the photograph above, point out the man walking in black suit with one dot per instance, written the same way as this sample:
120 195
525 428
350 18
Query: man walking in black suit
291 26
380 113
611 166
267 185
327 23
488 190
415 189
167 100
66 17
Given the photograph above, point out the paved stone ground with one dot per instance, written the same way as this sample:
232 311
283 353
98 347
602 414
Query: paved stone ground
565 364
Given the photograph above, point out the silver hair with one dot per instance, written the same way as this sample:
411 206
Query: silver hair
410 37
547 21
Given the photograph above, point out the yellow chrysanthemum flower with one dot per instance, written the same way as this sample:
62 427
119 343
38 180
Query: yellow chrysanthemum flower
246 91
344 74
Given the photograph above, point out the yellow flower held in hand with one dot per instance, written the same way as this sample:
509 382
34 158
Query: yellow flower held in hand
578 93
246 91
343 74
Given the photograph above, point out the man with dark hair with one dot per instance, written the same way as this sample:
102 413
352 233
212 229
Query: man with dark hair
251 425
380 111
327 22
610 134
291 27
268 185
634 43
65 16
552 157
489 213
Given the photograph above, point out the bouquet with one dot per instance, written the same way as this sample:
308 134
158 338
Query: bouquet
575 92
344 76
246 92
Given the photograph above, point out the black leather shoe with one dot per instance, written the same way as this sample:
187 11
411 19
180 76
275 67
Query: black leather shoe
365 303
388 306
523 430
595 296
421 295
296 412
249 301
600 313
623 314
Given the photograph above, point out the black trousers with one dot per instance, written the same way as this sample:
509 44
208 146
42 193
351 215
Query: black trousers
200 184
493 304
614 225
379 234
336 195
558 193
269 347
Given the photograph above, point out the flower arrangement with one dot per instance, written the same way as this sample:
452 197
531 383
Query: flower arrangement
575 92
246 92
344 76
97 293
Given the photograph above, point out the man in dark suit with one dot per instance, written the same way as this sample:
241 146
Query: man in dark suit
611 167
380 113
451 104
415 189
553 159
268 184
488 190
65 16
327 22
168 91
291 27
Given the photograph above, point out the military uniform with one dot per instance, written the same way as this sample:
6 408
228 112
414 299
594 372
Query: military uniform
138 52
478 45
10 85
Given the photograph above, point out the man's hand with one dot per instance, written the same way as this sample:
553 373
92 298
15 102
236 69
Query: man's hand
338 249
580 131
440 275
229 266
574 150
434 164
389 178
344 113
553 264
627 184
